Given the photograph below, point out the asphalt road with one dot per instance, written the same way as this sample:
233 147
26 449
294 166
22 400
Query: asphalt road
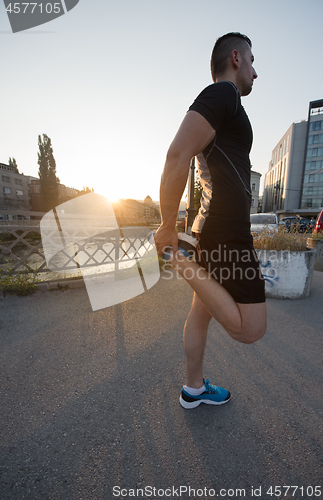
89 401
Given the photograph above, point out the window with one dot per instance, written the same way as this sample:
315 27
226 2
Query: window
318 125
252 202
316 139
262 219
19 192
253 186
309 202
314 152
5 178
8 201
18 181
6 190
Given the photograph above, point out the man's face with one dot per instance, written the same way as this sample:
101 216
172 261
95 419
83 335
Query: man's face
246 74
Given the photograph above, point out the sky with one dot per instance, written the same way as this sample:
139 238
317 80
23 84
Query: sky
110 82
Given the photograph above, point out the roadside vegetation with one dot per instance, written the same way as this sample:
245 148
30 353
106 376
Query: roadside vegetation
267 239
20 284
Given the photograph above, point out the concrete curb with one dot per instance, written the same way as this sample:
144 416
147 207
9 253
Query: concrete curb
47 286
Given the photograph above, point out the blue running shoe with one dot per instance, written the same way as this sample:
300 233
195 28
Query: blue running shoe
186 245
213 395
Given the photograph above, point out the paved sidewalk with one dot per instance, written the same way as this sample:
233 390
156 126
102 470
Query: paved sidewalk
89 400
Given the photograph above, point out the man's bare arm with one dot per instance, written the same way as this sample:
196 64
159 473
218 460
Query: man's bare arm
194 134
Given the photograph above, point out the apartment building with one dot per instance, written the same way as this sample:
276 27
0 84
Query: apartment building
294 181
13 190
36 199
312 175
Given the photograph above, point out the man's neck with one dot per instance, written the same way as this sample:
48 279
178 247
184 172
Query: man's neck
228 77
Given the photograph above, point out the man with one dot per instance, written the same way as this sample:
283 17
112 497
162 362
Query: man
226 278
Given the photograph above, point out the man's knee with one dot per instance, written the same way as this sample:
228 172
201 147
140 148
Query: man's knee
249 336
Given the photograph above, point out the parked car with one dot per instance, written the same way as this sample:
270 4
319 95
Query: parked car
259 221
319 223
297 223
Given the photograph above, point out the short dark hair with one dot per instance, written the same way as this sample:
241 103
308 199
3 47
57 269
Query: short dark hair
223 49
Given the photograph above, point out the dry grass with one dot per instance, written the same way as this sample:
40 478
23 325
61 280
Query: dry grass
317 236
293 241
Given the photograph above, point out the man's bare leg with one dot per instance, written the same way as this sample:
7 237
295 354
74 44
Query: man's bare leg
243 322
195 333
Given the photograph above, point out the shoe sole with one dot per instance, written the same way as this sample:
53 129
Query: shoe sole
182 237
188 239
195 404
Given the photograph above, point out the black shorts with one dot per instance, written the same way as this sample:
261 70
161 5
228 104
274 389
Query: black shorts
230 258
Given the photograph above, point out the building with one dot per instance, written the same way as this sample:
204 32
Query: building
21 193
36 199
132 212
294 181
150 209
13 190
312 175
283 181
255 186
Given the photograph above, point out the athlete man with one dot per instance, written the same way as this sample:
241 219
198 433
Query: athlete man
226 277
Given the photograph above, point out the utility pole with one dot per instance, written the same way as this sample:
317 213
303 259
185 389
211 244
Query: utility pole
190 207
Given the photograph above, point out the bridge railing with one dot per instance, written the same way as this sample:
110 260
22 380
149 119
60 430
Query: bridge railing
22 250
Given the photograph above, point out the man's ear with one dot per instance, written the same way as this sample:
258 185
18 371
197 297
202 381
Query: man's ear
235 59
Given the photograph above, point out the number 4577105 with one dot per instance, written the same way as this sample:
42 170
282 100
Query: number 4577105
26 7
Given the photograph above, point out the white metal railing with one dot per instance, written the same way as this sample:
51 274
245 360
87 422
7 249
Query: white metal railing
21 249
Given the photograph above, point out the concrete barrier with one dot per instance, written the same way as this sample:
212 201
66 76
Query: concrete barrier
318 246
288 275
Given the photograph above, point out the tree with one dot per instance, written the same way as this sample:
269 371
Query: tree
49 182
13 163
85 190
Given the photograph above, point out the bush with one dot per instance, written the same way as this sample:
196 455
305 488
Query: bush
316 236
19 284
267 239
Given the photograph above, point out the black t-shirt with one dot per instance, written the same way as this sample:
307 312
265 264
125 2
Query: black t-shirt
226 159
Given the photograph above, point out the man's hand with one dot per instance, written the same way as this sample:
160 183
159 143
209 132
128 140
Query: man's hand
164 238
